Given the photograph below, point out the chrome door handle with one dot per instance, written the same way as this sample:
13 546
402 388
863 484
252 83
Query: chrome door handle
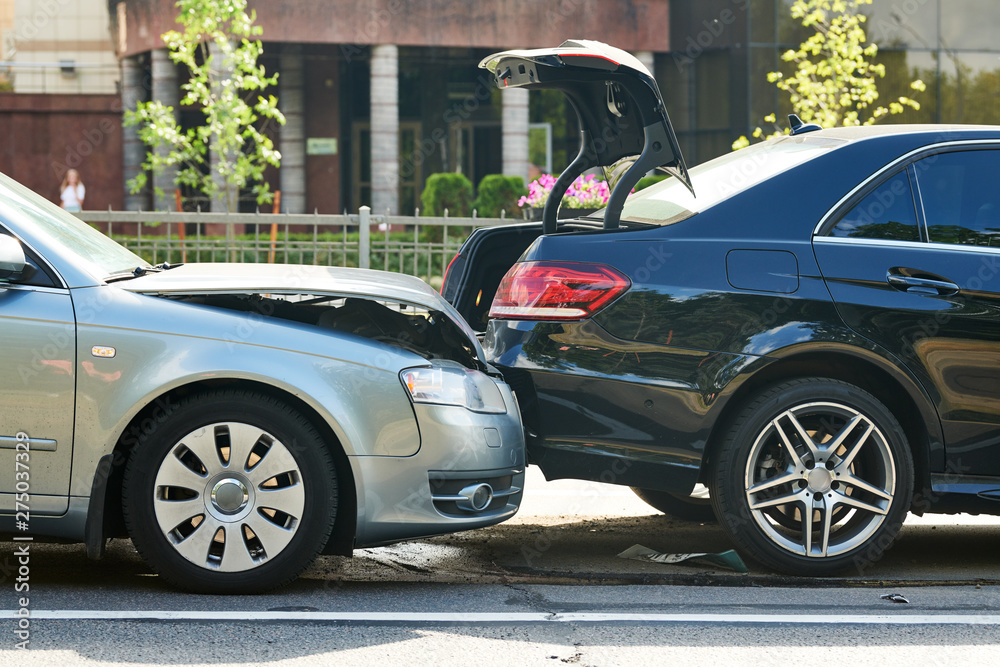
922 285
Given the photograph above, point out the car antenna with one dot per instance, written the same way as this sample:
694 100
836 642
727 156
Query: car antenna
799 127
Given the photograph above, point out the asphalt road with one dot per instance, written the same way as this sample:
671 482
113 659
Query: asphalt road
546 588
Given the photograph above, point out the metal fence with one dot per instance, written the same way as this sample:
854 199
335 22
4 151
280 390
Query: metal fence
419 246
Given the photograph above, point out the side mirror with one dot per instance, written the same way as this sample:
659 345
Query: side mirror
12 260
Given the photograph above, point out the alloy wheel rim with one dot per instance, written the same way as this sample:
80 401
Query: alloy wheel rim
228 497
820 479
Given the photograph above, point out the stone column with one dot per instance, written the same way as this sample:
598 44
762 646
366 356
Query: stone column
648 59
515 132
133 150
292 142
167 92
385 129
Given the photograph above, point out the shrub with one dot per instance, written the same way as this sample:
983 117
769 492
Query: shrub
498 193
446 191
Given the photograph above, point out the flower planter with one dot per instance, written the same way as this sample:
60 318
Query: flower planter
534 214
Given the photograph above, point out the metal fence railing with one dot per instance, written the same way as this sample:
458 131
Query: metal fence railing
419 246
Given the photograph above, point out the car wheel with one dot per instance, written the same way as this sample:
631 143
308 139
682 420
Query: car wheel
230 492
813 477
695 507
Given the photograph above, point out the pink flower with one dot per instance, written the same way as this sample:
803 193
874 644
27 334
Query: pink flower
585 192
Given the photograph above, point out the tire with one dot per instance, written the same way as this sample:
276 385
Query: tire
230 492
820 443
695 507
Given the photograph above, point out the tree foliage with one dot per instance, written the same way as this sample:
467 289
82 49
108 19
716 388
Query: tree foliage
447 190
834 82
497 193
217 48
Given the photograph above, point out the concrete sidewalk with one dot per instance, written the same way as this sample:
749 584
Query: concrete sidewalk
570 531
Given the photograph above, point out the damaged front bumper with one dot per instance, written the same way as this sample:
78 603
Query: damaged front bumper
468 473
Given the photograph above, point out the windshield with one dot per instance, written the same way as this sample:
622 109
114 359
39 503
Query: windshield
91 249
670 201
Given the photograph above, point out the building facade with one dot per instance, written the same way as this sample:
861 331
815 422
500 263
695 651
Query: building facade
380 94
715 77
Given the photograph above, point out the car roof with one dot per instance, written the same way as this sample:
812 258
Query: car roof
868 131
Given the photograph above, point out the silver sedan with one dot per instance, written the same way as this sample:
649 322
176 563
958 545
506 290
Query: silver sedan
236 420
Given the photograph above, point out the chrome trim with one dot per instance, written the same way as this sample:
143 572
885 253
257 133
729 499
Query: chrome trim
40 506
34 444
916 245
34 288
891 165
496 494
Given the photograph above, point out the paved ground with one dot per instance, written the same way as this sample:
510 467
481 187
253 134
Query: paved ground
571 532
512 594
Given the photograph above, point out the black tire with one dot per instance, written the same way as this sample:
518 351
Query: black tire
235 465
864 484
687 508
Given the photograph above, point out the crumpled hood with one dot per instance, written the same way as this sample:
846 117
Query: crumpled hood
220 278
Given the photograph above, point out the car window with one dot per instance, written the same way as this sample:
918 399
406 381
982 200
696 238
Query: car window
960 194
670 201
885 213
89 247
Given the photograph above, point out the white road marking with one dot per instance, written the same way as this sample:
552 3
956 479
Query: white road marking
512 617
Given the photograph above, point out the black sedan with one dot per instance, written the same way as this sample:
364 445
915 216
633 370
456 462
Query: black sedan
808 328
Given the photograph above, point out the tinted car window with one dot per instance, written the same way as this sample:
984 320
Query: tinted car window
886 213
960 193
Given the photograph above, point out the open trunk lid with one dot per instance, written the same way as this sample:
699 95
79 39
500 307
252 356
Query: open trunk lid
624 123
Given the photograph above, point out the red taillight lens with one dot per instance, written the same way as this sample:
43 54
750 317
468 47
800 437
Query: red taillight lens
556 290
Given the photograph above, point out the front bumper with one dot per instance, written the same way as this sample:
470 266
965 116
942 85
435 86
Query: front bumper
403 498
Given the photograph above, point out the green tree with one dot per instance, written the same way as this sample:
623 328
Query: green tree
834 81
216 48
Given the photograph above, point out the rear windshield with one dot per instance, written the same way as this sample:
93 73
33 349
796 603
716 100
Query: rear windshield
669 201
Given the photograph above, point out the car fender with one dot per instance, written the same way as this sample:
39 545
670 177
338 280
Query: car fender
844 355
353 386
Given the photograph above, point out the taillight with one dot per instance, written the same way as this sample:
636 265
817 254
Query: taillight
556 290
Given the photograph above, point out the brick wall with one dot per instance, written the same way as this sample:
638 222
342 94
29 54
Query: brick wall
41 136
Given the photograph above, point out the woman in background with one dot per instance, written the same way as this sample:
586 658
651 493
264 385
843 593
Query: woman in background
72 191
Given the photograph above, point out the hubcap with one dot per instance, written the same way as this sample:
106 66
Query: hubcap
820 479
228 497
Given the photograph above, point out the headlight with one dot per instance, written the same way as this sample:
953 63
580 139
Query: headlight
454 386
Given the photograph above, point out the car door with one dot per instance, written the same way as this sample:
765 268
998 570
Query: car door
37 387
914 265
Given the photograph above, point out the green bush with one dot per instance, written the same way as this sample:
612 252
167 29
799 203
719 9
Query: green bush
646 181
446 191
498 193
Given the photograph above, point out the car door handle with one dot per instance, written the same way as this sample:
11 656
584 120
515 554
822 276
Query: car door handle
915 285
